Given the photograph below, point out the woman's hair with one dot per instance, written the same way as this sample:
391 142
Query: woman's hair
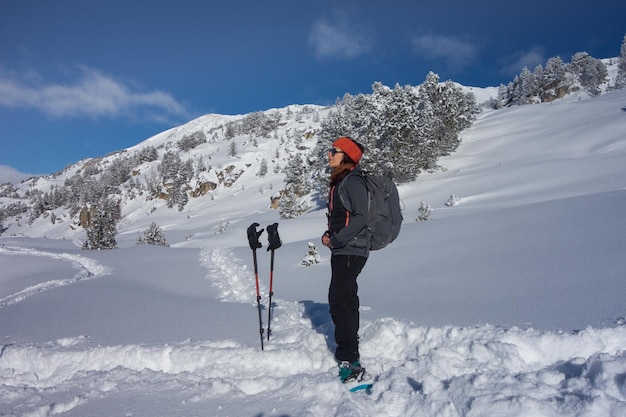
341 171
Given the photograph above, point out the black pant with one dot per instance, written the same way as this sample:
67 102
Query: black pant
344 304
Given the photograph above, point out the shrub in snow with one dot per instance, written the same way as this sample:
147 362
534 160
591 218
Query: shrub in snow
312 257
452 201
423 213
222 227
153 235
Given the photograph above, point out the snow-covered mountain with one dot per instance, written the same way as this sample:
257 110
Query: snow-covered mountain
222 158
226 168
508 302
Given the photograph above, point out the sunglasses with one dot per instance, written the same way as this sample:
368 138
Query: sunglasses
334 151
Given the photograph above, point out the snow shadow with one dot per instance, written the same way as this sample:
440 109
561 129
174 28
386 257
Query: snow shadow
321 322
263 415
416 385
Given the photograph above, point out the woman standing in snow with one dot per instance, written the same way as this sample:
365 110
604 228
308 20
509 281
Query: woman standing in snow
346 237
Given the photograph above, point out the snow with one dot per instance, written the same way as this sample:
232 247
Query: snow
509 303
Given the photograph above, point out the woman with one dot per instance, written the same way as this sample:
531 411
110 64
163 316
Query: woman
347 238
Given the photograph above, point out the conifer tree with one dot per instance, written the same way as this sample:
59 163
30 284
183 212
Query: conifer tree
296 175
401 138
620 80
102 227
153 235
554 81
291 205
590 72
527 86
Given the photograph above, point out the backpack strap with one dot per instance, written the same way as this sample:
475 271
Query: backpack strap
341 189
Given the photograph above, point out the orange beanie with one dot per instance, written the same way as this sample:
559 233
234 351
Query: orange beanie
349 147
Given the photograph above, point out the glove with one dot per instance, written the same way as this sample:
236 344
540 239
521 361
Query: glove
253 236
326 239
272 237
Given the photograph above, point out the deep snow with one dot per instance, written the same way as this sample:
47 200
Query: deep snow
510 303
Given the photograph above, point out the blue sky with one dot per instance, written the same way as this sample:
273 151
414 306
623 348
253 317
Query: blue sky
81 79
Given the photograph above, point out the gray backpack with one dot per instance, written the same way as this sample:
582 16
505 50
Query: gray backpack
385 214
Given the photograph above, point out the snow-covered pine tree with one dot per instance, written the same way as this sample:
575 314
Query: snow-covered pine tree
153 235
423 212
147 154
231 130
523 87
201 166
401 137
589 71
191 141
364 114
452 111
102 227
459 112
115 174
262 172
174 176
620 79
554 82
403 130
504 98
538 80
258 123
291 205
297 175
337 123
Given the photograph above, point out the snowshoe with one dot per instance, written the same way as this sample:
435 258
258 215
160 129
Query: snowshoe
349 372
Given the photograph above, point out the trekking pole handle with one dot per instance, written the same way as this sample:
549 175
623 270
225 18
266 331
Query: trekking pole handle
273 238
253 236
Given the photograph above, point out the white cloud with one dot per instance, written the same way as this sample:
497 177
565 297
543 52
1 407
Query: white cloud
93 94
453 51
10 174
529 59
337 41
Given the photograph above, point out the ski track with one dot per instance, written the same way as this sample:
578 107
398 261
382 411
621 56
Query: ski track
440 372
228 274
87 269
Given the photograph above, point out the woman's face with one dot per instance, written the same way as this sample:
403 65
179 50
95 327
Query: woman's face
335 157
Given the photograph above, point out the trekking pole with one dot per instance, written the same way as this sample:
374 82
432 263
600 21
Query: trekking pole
253 239
274 243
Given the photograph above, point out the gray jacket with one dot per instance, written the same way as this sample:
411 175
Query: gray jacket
347 217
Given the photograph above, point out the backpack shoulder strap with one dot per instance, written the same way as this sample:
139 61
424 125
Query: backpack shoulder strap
345 201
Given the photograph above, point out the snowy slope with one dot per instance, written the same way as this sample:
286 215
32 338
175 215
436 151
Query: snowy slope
509 303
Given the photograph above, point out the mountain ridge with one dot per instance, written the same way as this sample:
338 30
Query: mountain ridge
224 164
